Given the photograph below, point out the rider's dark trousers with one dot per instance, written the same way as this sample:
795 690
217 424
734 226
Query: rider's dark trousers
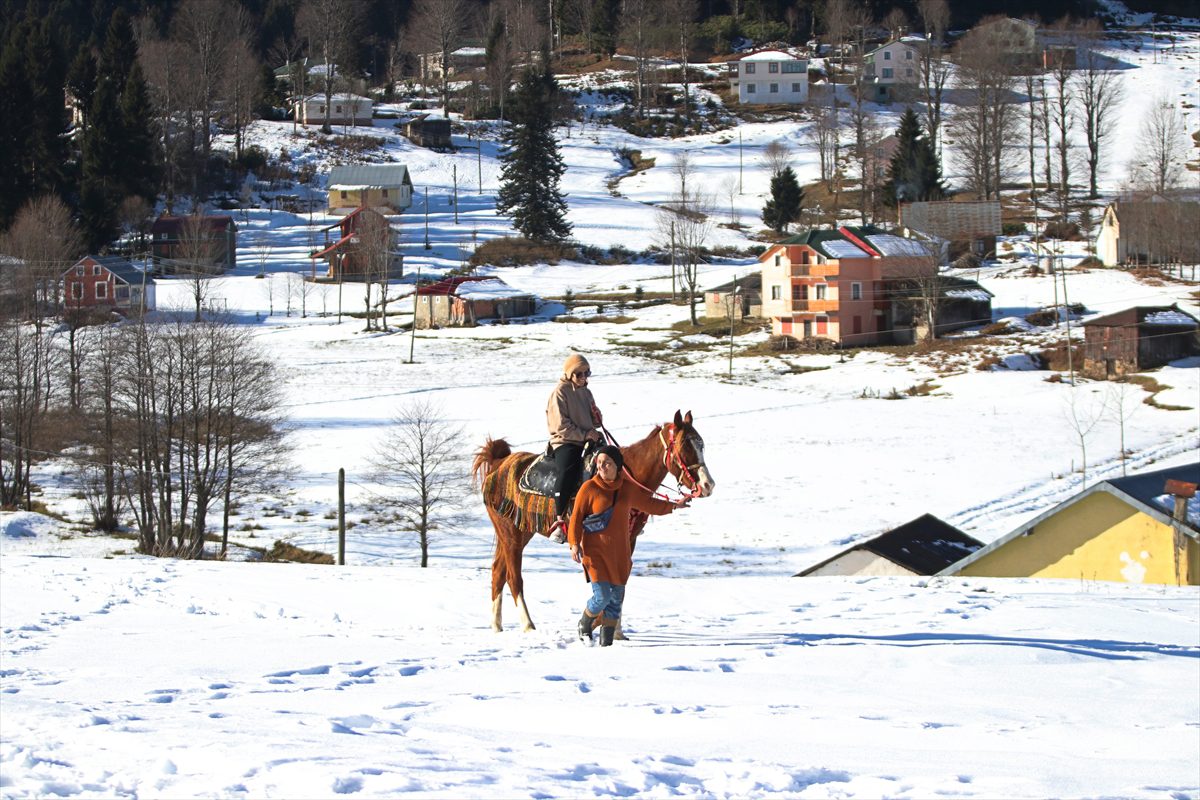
568 466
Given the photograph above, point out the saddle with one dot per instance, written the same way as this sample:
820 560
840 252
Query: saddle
538 477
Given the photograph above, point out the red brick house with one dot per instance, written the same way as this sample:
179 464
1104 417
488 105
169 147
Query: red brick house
352 242
182 244
107 282
838 284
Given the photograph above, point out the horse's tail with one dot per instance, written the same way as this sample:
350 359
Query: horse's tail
487 457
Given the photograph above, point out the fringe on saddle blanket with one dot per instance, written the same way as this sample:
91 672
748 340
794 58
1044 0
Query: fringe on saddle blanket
502 493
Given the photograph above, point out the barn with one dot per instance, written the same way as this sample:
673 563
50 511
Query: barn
1137 339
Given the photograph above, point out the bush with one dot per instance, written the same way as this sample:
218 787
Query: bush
1042 318
1090 262
511 251
1013 228
1067 231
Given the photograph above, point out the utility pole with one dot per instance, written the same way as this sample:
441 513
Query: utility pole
426 218
455 199
733 307
342 516
412 342
1067 306
739 161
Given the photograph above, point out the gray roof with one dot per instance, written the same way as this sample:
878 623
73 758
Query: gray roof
121 267
381 175
1142 492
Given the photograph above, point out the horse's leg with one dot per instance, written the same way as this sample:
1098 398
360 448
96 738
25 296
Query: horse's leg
498 581
516 583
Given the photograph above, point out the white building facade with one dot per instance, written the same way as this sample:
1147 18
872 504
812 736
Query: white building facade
772 76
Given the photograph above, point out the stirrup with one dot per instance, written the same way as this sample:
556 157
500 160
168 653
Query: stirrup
558 531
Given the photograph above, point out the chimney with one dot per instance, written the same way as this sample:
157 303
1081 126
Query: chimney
1182 492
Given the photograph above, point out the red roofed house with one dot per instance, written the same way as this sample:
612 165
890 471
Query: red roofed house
835 284
108 283
463 301
365 248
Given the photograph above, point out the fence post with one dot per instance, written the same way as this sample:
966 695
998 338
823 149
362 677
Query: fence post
341 516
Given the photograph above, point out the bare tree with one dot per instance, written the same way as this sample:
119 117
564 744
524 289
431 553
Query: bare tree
636 24
197 258
1083 413
200 26
682 14
986 122
687 220
25 354
45 239
1162 145
329 25
420 460
1061 74
1123 401
778 157
438 26
241 82
731 188
1100 96
105 428
935 67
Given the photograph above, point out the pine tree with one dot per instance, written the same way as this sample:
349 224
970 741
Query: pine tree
915 174
16 133
787 198
531 165
605 21
139 173
47 153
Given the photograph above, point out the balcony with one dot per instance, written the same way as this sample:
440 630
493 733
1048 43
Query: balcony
814 306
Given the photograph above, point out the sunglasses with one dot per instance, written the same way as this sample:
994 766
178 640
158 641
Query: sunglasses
585 374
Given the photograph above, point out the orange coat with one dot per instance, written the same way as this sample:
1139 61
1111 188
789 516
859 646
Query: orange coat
608 554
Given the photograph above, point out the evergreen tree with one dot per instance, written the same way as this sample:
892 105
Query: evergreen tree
139 167
46 72
16 132
787 198
915 174
605 17
81 80
531 165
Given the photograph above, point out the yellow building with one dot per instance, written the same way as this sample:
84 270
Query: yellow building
1122 530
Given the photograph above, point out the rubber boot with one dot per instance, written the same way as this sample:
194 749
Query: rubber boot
606 635
585 626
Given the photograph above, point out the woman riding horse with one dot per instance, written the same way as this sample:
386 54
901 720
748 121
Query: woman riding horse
572 418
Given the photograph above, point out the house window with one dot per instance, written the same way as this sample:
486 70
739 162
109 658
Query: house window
337 109
320 109
856 291
803 256
796 88
749 69
778 260
887 55
80 271
797 292
821 289
95 269
858 324
101 291
772 67
774 88
887 72
908 55
76 291
385 192
794 67
751 88
776 294
343 194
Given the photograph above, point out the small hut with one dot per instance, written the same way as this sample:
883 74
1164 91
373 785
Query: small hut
464 301
1137 339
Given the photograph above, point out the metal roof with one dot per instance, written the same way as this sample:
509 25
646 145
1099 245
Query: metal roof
923 546
379 175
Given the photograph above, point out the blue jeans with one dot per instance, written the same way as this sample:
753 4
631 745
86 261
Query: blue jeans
606 599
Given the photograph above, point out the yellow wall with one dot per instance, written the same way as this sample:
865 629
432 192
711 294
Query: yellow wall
1097 538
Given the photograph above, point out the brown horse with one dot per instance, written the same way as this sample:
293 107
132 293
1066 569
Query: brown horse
675 448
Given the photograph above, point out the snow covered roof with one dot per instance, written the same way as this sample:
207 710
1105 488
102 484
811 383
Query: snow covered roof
355 177
840 248
771 55
891 245
488 289
1169 317
979 295
342 97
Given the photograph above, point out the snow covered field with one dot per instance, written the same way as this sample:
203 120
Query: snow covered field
131 676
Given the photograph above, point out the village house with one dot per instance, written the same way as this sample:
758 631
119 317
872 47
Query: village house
770 76
957 303
837 284
365 247
428 131
967 226
461 60
924 546
1138 529
1137 339
892 70
107 283
344 109
386 188
1156 230
312 74
464 301
195 243
747 302
1015 39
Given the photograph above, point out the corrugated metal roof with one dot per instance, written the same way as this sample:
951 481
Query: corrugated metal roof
376 175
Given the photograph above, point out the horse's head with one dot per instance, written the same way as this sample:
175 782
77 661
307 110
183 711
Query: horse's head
683 454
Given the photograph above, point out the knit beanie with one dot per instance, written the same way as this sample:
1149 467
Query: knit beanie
613 452
573 364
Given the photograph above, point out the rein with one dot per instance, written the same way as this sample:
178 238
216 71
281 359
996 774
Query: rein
684 492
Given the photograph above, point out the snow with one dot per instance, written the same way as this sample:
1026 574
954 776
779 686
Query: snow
487 290
770 55
1169 318
891 245
123 675
839 248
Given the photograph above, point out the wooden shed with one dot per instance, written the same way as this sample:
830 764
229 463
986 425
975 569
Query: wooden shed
431 132
464 301
1137 339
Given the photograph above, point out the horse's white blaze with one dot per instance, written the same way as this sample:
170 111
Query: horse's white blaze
703 476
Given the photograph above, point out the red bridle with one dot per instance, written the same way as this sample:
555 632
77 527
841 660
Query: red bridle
671 455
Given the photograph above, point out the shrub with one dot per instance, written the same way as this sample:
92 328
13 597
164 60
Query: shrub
1042 318
1090 262
1013 228
510 251
1062 230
